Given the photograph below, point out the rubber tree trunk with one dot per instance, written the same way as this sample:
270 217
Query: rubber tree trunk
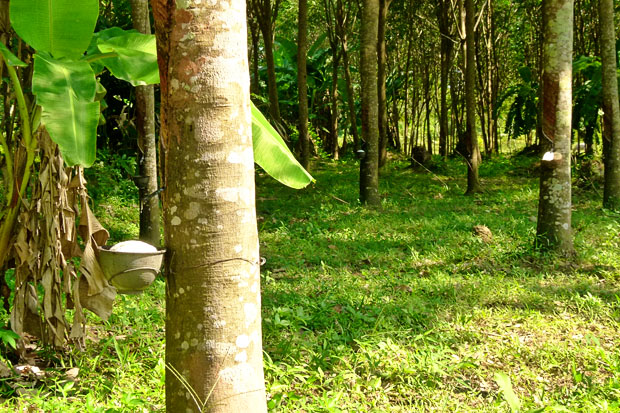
381 81
302 82
213 325
274 104
351 95
471 136
266 12
369 166
342 28
443 19
334 108
554 206
611 108
147 146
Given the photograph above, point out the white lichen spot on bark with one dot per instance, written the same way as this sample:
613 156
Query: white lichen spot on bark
177 335
181 291
240 377
245 158
188 37
174 84
192 211
175 221
185 345
243 341
251 312
218 349
194 342
199 327
238 248
235 195
241 357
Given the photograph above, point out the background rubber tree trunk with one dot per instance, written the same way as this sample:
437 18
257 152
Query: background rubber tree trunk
254 38
471 136
266 12
302 82
554 205
332 145
443 19
147 146
381 80
611 108
213 324
369 166
345 17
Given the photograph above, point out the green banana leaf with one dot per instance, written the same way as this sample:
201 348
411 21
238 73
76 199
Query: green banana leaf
9 57
135 60
272 154
93 51
62 28
65 89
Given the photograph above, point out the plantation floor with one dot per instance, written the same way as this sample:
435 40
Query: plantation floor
399 309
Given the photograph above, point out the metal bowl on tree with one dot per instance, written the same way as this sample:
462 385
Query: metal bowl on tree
130 266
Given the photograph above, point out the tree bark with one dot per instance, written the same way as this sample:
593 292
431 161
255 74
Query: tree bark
381 79
443 9
213 324
343 24
369 167
471 137
254 36
147 146
302 82
351 97
266 13
335 112
554 207
611 108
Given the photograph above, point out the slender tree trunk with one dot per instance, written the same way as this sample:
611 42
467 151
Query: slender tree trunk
254 35
554 207
369 167
443 10
272 84
213 324
302 82
471 137
147 147
335 113
351 97
611 108
405 110
344 22
266 12
381 79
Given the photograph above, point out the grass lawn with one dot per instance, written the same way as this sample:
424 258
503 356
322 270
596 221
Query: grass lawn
400 309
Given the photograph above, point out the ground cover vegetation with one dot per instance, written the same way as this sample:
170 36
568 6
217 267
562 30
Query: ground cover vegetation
458 250
398 309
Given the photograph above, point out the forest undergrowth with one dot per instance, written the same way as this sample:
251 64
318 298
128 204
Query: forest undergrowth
401 309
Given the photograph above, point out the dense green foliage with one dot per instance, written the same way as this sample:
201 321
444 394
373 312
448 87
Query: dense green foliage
401 309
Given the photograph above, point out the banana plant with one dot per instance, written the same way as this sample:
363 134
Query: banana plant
69 56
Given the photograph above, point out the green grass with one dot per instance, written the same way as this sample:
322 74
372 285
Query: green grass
400 309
